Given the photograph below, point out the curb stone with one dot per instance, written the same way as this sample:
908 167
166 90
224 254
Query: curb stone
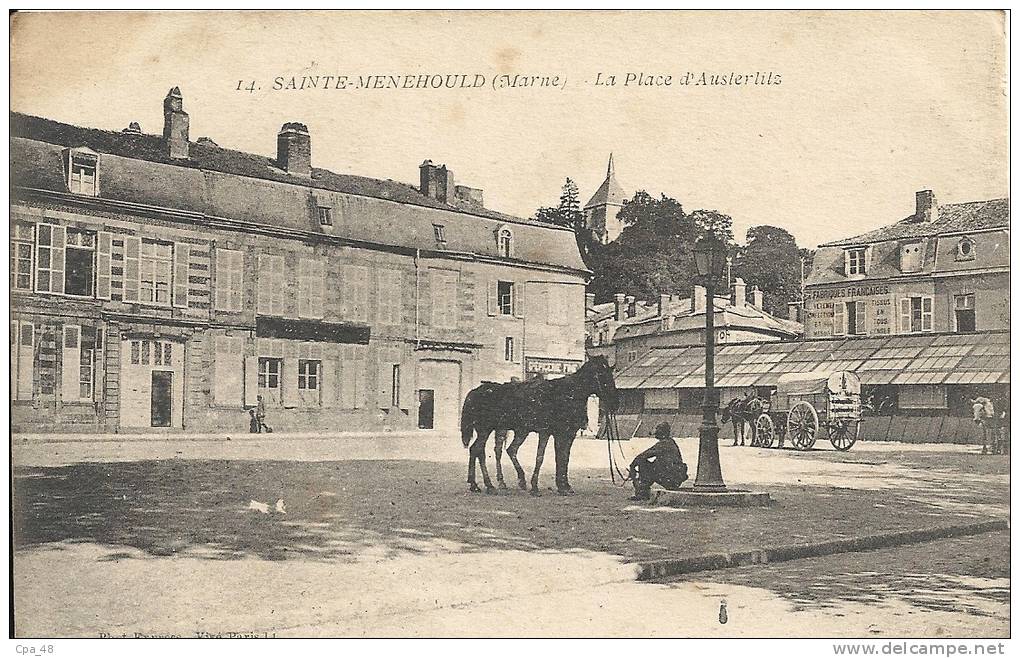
658 569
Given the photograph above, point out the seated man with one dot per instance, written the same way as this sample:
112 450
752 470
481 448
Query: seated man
662 464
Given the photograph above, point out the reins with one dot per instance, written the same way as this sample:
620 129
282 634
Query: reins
613 434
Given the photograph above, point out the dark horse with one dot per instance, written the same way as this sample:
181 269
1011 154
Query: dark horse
554 407
740 411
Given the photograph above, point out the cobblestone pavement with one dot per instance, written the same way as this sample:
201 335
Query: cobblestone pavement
356 531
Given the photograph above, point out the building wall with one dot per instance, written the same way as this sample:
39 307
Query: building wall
443 332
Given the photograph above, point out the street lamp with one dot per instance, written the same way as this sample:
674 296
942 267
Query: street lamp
710 259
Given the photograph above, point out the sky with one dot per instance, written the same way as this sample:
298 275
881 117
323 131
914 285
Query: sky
871 107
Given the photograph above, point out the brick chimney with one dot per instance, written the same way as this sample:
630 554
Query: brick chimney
589 300
631 306
133 128
619 300
175 125
699 299
793 310
294 149
739 296
927 207
436 182
757 298
663 303
469 195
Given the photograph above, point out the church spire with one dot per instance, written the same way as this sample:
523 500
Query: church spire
610 170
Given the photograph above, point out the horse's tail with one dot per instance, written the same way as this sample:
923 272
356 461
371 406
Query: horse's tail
467 417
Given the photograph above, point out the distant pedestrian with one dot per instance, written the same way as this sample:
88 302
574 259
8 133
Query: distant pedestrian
660 464
253 424
260 415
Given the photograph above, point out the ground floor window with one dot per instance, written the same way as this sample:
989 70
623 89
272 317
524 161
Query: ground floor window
309 372
269 373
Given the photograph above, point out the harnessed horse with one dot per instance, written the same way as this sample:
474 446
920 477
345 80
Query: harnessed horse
741 411
554 407
986 417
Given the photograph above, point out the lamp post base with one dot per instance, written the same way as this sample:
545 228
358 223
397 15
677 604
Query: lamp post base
709 476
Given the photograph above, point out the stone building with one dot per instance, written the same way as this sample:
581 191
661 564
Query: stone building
600 213
159 282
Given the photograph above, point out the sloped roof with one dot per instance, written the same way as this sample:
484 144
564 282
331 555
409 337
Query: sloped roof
221 182
746 316
914 359
609 192
952 218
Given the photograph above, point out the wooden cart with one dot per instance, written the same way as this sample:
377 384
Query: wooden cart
803 404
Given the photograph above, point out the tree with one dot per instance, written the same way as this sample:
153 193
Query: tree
771 260
569 215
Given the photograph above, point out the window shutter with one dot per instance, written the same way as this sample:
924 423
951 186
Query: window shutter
236 280
23 352
304 288
862 318
228 371
926 313
404 398
318 291
493 303
43 254
905 315
288 384
251 381
385 379
57 259
104 245
132 272
360 390
328 382
518 299
182 254
71 363
838 319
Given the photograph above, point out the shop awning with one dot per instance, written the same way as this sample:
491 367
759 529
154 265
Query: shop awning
980 358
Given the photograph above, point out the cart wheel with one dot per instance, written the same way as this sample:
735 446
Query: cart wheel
765 429
803 425
843 434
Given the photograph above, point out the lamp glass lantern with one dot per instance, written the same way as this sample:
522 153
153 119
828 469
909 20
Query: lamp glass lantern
710 257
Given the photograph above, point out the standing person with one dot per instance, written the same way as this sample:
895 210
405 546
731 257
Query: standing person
260 415
662 464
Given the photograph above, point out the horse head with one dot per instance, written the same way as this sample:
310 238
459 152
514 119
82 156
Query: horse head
982 408
604 385
727 411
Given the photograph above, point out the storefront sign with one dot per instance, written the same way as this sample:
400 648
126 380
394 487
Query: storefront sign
855 291
536 365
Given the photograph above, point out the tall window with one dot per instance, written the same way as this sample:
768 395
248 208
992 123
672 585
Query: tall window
311 285
229 279
395 386
505 297
505 242
82 178
508 349
856 318
156 266
915 314
80 263
325 216
440 232
390 298
444 298
966 322
271 285
22 241
855 262
309 372
269 373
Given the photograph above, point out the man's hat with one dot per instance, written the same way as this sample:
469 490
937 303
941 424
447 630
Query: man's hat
663 431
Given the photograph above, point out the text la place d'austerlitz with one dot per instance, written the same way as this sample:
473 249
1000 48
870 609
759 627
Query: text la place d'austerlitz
600 79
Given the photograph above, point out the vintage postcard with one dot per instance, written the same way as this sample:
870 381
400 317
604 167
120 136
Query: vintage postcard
549 324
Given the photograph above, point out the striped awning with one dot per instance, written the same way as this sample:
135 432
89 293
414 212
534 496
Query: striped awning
981 358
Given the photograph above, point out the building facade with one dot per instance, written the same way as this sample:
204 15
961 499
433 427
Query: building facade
163 284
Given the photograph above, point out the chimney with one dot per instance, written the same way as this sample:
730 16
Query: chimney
757 297
663 302
589 300
175 125
739 297
631 306
133 128
437 182
699 299
469 195
621 307
927 207
294 149
793 310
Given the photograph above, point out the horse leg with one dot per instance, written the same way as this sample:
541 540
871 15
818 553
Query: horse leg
984 440
500 438
511 450
563 463
478 453
472 485
543 439
736 438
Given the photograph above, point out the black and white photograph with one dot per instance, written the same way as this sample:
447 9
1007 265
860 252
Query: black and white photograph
511 324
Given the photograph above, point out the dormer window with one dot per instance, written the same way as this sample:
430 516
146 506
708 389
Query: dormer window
505 242
440 232
325 216
83 172
965 249
910 257
856 261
